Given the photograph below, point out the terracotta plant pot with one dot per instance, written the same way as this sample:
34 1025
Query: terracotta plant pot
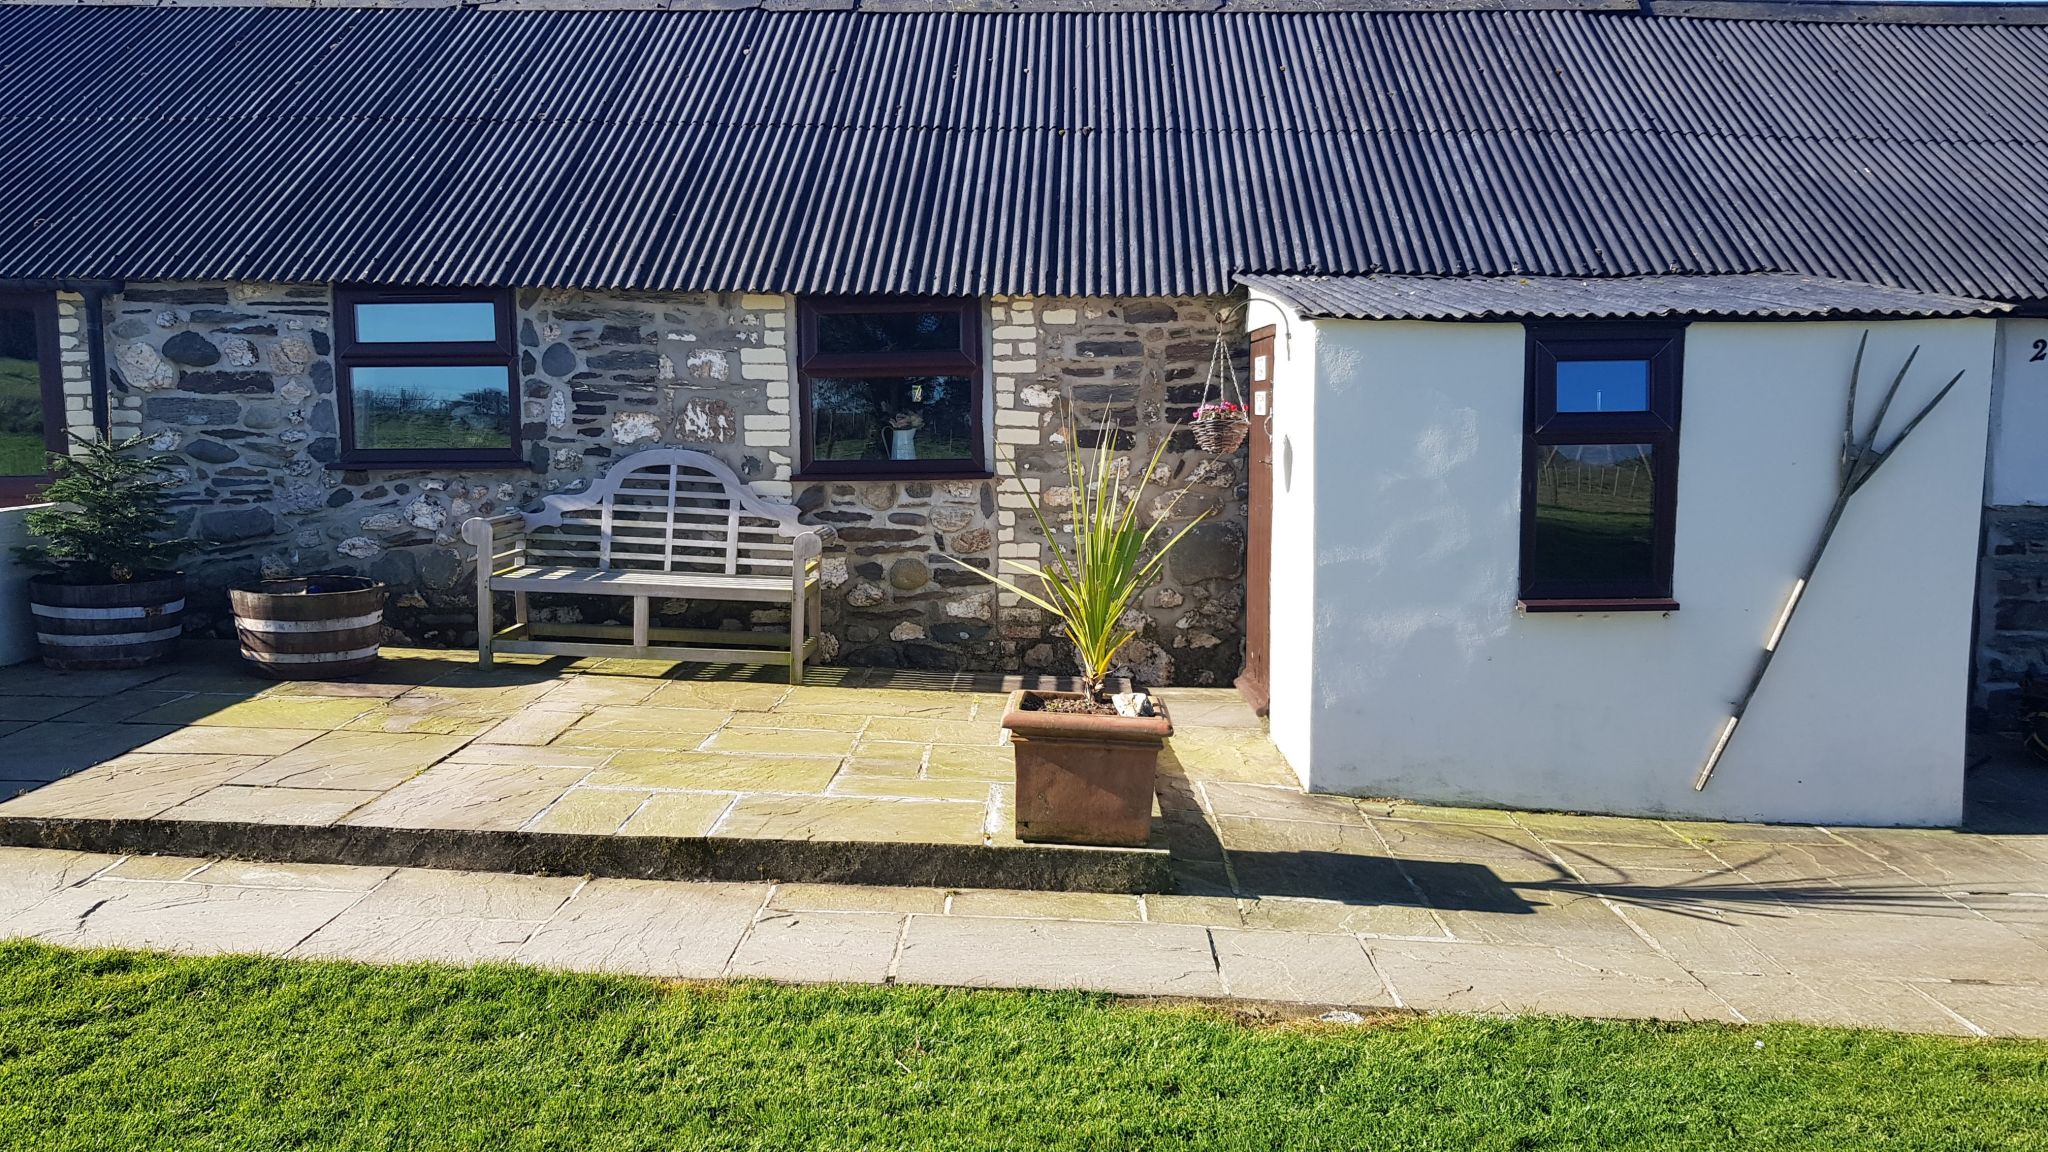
1085 779
311 629
82 627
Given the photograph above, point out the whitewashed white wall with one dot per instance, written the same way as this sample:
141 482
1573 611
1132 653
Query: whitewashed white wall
2012 596
1290 664
2019 417
1424 682
17 624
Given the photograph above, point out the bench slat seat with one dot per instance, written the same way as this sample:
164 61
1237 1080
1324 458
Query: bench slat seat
666 524
627 582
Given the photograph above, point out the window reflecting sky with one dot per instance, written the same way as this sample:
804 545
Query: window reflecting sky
465 321
1603 385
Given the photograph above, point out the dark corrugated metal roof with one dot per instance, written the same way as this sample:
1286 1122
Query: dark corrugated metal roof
1857 11
1765 295
1135 153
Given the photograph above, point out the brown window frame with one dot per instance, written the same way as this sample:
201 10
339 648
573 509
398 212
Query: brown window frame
964 361
16 490
1663 346
350 354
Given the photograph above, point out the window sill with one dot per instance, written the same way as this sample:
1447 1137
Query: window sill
415 463
899 477
1599 604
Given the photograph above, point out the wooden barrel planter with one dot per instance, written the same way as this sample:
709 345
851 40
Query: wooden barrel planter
312 629
83 627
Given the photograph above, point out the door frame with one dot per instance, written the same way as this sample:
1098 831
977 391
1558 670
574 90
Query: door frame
1254 677
49 363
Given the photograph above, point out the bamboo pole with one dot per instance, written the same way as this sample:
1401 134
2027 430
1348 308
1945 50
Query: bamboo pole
1861 458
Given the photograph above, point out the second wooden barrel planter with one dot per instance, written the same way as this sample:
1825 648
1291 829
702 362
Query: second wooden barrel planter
97 626
312 629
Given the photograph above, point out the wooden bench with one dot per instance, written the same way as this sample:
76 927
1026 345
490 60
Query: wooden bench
668 524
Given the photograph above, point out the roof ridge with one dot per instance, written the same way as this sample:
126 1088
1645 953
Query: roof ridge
1931 12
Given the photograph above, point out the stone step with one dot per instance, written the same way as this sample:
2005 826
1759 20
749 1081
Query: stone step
1045 867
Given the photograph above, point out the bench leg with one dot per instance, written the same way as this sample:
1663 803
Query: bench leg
486 623
816 617
519 608
796 636
640 621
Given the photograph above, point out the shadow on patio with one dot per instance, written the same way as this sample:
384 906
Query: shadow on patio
615 767
541 764
2006 790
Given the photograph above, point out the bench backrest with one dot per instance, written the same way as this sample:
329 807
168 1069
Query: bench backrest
665 510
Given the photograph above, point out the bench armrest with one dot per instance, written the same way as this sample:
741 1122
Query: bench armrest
481 530
500 543
804 549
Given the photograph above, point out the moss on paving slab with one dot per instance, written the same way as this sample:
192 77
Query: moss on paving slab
106 1051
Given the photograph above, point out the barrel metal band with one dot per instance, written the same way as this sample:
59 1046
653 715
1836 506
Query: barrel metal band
309 657
65 640
60 612
339 625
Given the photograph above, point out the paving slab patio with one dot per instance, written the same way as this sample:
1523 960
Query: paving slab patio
1161 945
820 947
535 759
1272 894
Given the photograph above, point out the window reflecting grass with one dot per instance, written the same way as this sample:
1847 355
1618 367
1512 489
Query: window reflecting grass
464 406
1595 513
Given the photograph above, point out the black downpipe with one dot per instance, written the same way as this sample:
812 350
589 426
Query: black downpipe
95 295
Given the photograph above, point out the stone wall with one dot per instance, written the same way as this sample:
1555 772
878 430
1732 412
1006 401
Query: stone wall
234 386
2012 613
74 366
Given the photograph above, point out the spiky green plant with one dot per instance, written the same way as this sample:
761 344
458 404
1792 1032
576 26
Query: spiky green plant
107 520
1105 560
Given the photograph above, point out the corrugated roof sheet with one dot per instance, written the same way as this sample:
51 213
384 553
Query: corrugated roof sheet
1765 295
1134 153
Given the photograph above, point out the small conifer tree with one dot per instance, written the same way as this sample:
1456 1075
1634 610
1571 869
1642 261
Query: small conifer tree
107 522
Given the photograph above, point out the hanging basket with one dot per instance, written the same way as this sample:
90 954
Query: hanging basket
1220 425
1221 428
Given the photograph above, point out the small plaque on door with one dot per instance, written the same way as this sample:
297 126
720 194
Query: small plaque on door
1259 403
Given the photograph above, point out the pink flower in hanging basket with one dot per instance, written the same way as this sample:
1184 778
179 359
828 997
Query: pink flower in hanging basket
1221 410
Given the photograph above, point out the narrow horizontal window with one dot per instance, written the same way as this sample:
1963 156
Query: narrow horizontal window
31 398
427 378
444 322
1600 464
1603 385
890 387
916 330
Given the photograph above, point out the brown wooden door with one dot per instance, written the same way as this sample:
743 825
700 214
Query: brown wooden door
1258 545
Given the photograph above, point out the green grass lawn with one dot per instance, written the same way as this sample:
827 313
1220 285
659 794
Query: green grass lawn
120 1050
